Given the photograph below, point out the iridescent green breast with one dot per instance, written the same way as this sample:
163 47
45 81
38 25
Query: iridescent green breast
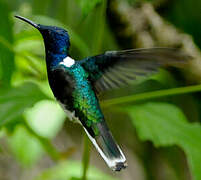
85 100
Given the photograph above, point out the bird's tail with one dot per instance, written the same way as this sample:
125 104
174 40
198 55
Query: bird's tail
107 147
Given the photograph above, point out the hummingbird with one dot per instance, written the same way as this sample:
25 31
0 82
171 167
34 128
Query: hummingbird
76 84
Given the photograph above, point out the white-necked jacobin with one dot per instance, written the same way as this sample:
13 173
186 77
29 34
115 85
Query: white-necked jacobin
75 84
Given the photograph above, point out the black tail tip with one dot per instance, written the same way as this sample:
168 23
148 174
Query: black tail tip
120 165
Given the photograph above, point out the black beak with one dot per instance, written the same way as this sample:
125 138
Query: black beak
28 21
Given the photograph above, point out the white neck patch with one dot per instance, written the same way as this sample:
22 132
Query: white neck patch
68 61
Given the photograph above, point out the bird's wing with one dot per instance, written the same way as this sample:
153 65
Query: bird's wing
114 69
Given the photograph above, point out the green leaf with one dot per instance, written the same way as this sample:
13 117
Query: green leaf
88 5
45 118
26 148
6 41
14 101
72 170
165 124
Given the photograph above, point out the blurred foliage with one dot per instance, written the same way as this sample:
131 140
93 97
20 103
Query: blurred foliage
32 149
6 49
72 171
46 118
88 5
15 100
172 129
30 119
185 15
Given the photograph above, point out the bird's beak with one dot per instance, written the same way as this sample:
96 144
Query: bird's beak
37 26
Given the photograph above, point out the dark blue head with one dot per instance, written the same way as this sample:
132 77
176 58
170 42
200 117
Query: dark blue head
56 39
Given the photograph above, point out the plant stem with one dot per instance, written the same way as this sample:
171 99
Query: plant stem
86 157
151 95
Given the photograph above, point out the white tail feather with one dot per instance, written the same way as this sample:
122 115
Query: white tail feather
111 162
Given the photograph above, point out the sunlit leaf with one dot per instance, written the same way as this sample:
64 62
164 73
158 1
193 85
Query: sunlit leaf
165 125
45 118
6 41
14 101
25 147
72 170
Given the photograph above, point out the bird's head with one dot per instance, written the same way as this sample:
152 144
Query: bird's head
56 39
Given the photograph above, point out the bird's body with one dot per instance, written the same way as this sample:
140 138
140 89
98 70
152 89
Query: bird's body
75 84
74 91
71 87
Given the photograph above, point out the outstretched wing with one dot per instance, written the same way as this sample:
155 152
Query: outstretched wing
114 69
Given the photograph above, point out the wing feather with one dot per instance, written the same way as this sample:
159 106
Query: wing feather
114 69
